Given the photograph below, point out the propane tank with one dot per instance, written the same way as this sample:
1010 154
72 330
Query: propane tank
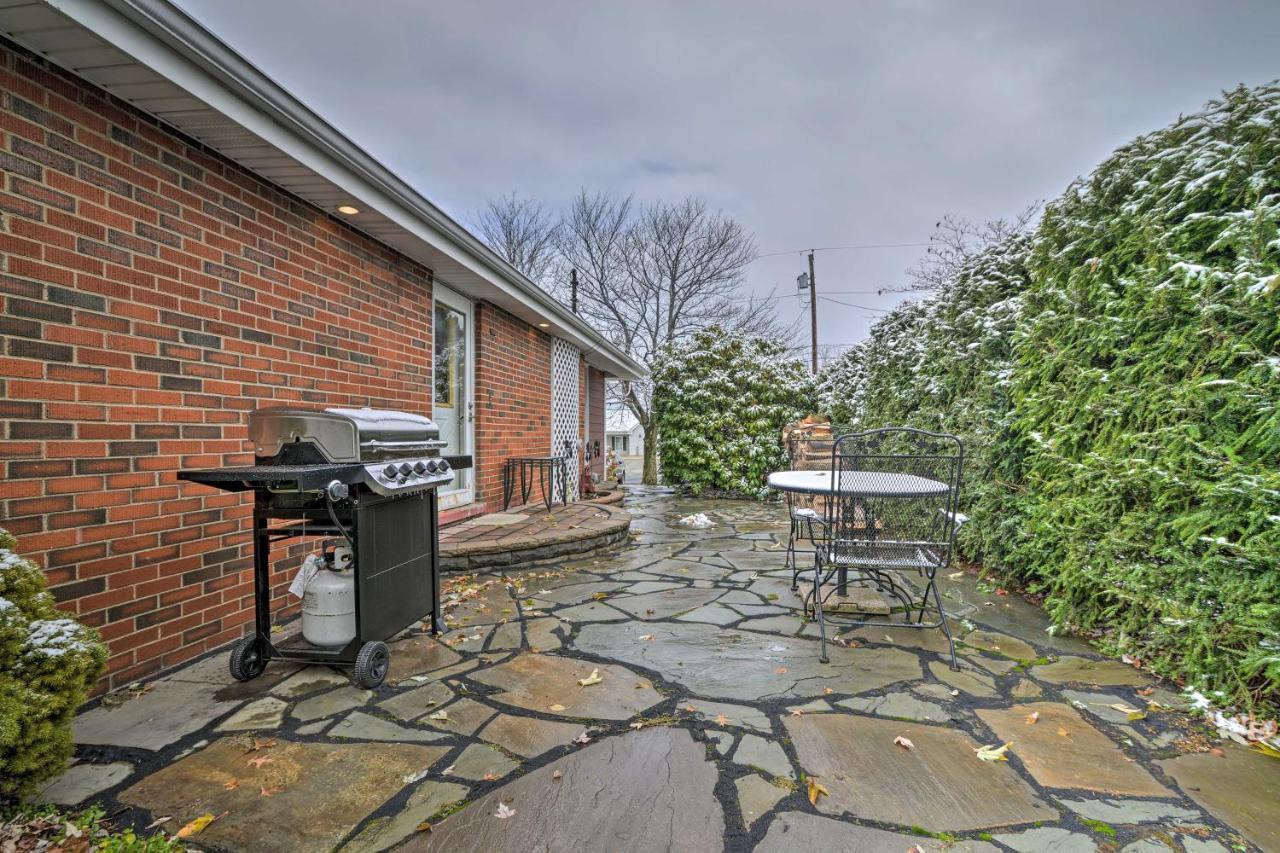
329 603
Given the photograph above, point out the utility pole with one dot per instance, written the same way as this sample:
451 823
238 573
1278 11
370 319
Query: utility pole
573 290
813 312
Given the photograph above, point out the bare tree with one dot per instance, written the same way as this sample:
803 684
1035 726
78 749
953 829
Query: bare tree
524 233
654 275
957 240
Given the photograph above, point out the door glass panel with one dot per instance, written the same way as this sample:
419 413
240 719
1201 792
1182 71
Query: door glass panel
451 403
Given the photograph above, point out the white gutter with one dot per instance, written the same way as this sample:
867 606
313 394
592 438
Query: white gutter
176 46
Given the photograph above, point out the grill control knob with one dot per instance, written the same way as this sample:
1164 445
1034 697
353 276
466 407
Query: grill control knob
390 472
405 469
444 466
433 466
419 468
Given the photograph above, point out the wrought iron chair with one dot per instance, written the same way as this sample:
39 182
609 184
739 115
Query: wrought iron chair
808 447
893 513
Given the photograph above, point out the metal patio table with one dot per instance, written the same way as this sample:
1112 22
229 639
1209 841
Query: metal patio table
858 484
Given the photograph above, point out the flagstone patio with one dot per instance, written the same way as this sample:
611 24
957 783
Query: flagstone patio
668 697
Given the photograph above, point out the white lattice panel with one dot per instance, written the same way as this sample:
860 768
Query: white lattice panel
565 360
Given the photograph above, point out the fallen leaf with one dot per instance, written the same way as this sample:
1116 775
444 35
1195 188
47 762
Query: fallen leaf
903 742
1002 591
582 738
158 821
504 811
642 685
955 692
722 720
231 784
557 775
1217 750
827 691
1062 732
1033 718
993 753
197 825
442 714
1266 749
266 792
797 712
690 709
816 789
425 826
557 708
263 743
646 636
259 761
637 725
782 670
955 576
489 776
448 770
1132 713
593 678
650 612
600 596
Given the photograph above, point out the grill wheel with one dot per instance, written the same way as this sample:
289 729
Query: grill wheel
372 663
247 662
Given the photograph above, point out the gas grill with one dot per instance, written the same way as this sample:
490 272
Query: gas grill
366 476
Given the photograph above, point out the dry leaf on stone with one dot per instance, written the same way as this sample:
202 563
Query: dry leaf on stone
903 742
1033 718
259 761
1062 732
197 825
158 821
439 715
782 670
557 775
266 792
490 776
797 712
690 709
955 692
827 691
448 770
582 738
816 789
504 811
722 720
593 678
231 784
1132 713
425 826
993 753
647 637
1266 749
637 725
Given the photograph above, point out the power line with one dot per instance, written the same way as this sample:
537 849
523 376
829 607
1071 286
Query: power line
844 249
851 305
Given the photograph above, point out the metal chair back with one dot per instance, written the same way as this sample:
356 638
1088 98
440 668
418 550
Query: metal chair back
897 500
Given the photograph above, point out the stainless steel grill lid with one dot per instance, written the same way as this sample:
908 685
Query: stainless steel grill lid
344 435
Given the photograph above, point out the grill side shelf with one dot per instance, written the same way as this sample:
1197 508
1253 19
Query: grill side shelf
302 478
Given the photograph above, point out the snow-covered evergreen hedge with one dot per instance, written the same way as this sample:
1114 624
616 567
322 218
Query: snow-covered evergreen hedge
48 662
1117 379
721 400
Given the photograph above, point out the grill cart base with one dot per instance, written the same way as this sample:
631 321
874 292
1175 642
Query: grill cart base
397 570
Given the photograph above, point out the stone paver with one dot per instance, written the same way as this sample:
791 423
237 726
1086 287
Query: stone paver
170 710
333 702
361 726
902 706
756 797
277 804
1241 787
482 762
529 736
663 605
743 664
1132 811
645 791
82 781
764 755
539 682
1075 670
265 713
1082 758
938 785
1048 839
716 701
385 832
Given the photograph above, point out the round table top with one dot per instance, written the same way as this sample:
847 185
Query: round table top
870 484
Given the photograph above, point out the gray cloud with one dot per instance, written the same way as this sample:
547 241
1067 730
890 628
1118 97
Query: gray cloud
815 124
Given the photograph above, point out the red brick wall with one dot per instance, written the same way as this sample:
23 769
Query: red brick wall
513 396
153 293
595 386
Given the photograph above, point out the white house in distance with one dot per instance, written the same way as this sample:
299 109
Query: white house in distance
624 436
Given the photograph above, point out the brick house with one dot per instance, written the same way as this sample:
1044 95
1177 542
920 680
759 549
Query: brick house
183 242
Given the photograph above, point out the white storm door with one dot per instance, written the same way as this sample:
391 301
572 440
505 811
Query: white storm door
453 344
565 438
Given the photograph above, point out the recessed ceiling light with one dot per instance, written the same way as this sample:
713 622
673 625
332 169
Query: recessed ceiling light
348 209
543 325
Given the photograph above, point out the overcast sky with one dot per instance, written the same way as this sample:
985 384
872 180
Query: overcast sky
814 124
